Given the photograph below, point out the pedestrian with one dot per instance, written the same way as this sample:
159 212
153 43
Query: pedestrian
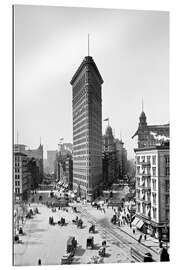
39 262
134 231
140 238
164 255
145 237
130 225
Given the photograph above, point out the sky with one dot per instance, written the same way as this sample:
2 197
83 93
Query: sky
131 51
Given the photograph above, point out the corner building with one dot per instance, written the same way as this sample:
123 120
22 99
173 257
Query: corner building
87 129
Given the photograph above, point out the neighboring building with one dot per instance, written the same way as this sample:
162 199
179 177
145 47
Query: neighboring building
121 154
22 177
33 169
108 141
59 167
110 166
38 155
149 135
66 148
69 171
114 158
64 152
152 189
33 153
21 148
46 166
51 156
87 128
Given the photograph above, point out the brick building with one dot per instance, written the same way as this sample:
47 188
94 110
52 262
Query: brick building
21 177
114 158
152 179
37 154
152 189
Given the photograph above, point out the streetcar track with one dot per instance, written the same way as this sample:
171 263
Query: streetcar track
106 229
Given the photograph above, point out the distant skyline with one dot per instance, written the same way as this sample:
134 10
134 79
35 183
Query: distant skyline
130 49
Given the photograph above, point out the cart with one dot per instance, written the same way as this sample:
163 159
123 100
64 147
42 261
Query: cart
67 259
102 251
71 245
92 229
90 242
79 223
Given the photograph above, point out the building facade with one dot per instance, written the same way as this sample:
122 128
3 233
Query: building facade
38 155
149 135
69 171
152 189
114 158
110 166
21 177
51 157
87 128
33 153
121 154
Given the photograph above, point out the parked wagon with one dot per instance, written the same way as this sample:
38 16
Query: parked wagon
102 251
92 229
79 223
67 259
90 242
71 245
114 219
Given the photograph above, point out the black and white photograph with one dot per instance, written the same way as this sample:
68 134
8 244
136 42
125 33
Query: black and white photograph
91 135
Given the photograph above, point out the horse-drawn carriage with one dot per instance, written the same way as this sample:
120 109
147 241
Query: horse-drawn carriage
92 229
51 221
102 251
62 221
90 242
74 209
114 219
67 259
79 223
71 245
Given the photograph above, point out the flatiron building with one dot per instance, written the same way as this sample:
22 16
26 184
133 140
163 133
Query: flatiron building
87 129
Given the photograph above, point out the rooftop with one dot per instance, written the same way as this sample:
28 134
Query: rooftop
88 60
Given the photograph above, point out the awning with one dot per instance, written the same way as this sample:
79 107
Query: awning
140 224
135 221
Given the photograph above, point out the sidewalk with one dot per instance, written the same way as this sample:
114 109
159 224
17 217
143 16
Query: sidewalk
150 242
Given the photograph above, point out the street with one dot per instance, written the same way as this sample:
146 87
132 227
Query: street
48 242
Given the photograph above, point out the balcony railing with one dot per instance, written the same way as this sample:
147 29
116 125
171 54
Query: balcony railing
147 201
147 187
143 186
145 163
144 173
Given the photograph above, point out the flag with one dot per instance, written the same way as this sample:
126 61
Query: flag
107 119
